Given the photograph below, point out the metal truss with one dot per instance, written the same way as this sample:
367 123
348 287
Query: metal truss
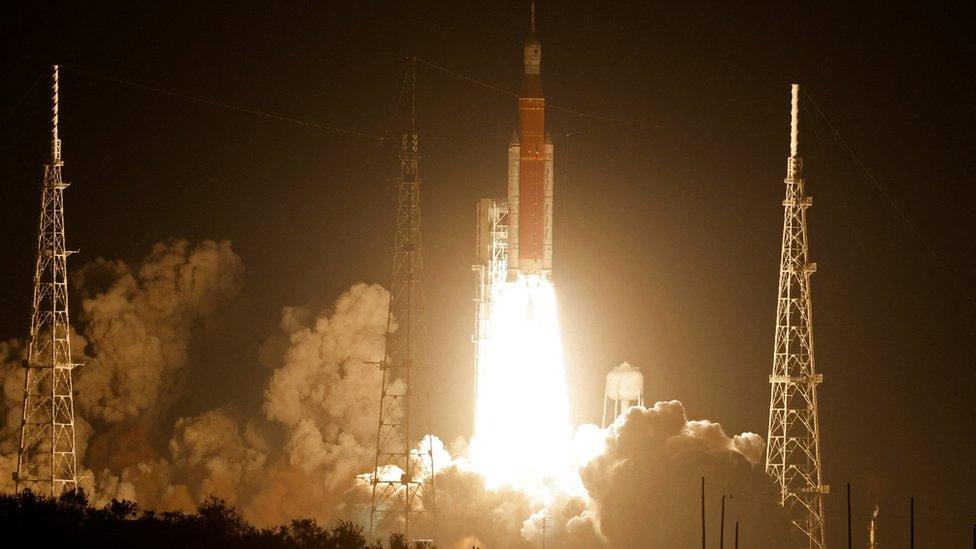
793 443
46 460
403 476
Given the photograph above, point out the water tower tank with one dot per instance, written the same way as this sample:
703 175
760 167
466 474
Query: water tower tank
625 388
625 382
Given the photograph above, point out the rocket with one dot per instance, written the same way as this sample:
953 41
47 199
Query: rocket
530 177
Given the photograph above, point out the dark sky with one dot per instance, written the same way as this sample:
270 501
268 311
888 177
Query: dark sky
668 225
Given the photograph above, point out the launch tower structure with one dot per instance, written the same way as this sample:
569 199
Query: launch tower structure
46 460
403 475
793 443
491 270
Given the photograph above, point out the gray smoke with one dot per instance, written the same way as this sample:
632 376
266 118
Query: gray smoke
12 354
13 393
325 397
139 327
316 429
646 486
643 491
317 433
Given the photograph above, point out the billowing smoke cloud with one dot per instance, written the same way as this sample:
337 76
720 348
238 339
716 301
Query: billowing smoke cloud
642 490
13 393
646 485
140 325
317 433
209 454
326 390
299 455
325 396
137 326
12 354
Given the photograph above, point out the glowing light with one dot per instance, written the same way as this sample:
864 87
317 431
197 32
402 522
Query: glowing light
523 435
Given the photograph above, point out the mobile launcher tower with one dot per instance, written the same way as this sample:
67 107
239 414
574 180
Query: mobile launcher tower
514 236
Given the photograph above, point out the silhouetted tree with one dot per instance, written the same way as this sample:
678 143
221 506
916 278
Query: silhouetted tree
398 541
347 535
70 518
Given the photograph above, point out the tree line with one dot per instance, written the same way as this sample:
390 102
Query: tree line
71 519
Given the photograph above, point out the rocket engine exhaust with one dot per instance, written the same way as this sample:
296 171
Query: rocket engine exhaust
521 388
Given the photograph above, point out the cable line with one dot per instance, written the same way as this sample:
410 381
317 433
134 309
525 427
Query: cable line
891 202
510 93
188 97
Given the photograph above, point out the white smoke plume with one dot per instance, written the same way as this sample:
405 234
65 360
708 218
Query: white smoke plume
140 325
642 490
325 396
645 486
13 395
318 432
209 454
12 354
635 484
137 325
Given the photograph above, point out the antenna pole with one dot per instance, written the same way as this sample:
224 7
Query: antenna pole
402 494
793 448
850 534
55 141
911 531
703 511
721 538
46 461
794 120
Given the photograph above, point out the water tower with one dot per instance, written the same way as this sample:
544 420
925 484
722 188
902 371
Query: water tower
625 388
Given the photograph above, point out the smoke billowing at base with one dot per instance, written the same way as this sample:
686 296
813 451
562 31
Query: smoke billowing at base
299 455
238 238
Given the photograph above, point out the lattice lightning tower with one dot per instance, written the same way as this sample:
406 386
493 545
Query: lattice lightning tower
403 475
46 461
793 447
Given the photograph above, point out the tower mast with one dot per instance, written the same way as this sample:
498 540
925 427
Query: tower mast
793 447
402 475
46 460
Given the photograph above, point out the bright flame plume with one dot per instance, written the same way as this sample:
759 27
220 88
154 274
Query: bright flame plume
523 434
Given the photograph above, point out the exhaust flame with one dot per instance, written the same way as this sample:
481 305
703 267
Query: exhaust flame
522 431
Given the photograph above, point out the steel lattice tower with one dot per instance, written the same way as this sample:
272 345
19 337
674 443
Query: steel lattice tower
46 461
402 474
793 447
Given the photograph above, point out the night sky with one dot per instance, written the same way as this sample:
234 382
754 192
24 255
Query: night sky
668 216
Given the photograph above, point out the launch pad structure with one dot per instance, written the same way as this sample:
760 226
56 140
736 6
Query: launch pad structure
491 269
46 461
402 481
793 441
